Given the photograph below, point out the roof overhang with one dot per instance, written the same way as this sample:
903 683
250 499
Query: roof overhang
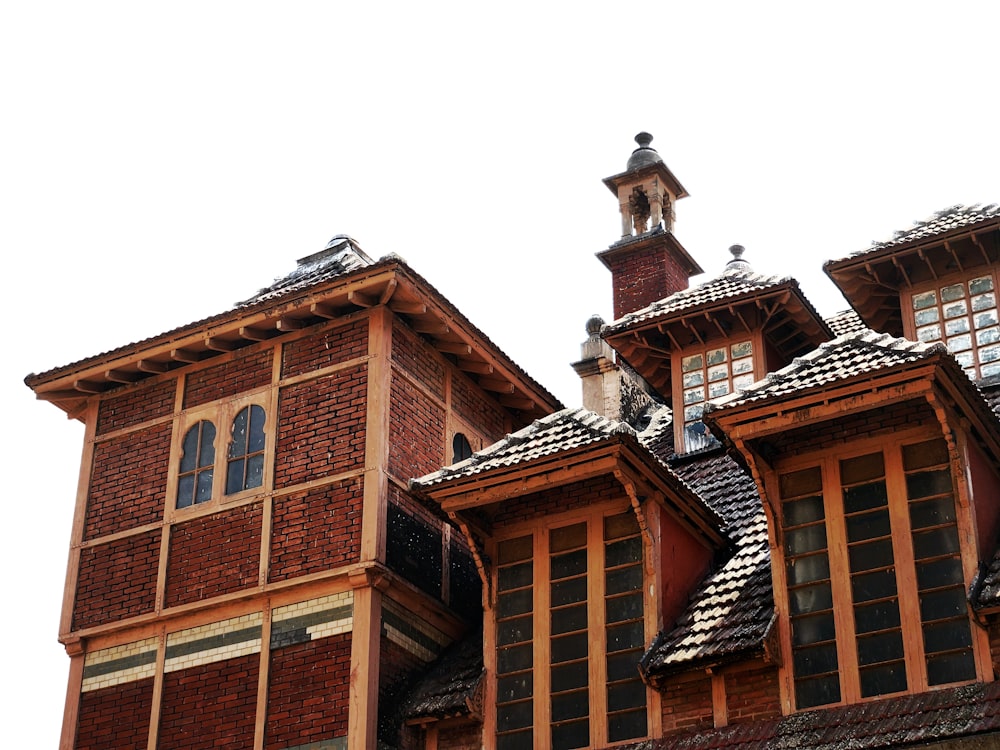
659 169
390 283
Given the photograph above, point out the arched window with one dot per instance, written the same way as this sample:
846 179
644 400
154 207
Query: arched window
194 480
245 467
460 448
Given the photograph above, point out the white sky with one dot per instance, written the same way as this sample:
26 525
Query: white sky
159 162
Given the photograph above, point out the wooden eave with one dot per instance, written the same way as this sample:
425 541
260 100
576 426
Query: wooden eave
391 284
787 320
486 490
637 175
872 281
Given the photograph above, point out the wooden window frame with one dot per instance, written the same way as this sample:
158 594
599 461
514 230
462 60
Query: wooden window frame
597 627
891 448
221 414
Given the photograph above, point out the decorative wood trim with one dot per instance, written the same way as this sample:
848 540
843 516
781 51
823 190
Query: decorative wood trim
79 519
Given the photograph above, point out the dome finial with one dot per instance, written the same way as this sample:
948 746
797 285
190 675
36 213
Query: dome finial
644 139
737 263
645 154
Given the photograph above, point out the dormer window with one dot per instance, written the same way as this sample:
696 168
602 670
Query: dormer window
708 374
963 315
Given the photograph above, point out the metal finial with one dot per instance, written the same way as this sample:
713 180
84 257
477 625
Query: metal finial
594 324
737 263
644 139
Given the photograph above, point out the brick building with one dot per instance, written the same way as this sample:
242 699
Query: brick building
763 529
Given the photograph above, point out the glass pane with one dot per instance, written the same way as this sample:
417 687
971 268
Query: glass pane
932 512
881 647
812 598
718 389
864 497
946 668
742 381
234 476
255 471
206 454
718 372
815 660
623 666
958 325
878 584
515 603
516 630
715 356
989 354
959 343
949 635
808 569
862 468
813 629
568 537
929 333
806 510
941 605
516 741
623 524
204 492
567 592
185 491
624 637
627 726
930 315
514 715
693 413
883 679
569 676
928 453
691 379
868 525
924 299
984 302
569 564
626 695
514 576
623 552
952 292
572 705
805 539
694 395
883 615
238 440
619 608
569 619
935 543
871 555
980 284
256 428
804 482
694 362
513 550
514 658
817 691
189 449
947 572
569 647
568 736
742 366
623 580
987 332
514 687
741 349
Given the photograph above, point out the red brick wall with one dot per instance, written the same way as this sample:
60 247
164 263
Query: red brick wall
559 500
135 406
128 481
214 555
245 371
321 427
414 355
643 277
115 718
416 432
117 580
753 695
316 530
467 737
210 705
469 403
307 696
324 348
687 705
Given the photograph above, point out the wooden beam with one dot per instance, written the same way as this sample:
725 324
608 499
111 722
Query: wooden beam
220 345
63 395
954 255
496 385
89 386
323 310
517 402
290 324
452 347
902 271
151 366
407 308
123 376
390 289
186 355
431 327
475 365
256 334
361 299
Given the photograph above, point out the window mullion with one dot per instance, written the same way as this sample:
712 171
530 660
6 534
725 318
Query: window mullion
542 651
840 581
598 636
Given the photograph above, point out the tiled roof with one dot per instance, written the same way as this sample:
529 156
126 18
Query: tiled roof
845 357
846 322
730 611
904 721
341 255
733 283
942 222
450 686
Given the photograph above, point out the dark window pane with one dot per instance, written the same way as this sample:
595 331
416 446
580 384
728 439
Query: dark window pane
865 497
256 431
627 726
926 483
622 580
189 449
625 695
940 605
883 679
569 619
567 592
516 741
569 564
624 637
931 453
862 468
623 552
255 471
514 576
805 539
238 440
933 512
870 525
185 491
810 598
935 543
876 616
514 658
813 629
873 649
514 603
937 573
817 691
947 636
569 676
568 537
569 647
204 491
514 550
870 555
945 668
628 607
514 715
623 524
206 453
806 510
515 687
815 660
234 476
460 448
572 705
516 630
569 736
804 482
808 569
623 665
878 584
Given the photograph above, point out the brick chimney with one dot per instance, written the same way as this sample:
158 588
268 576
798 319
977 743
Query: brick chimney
647 263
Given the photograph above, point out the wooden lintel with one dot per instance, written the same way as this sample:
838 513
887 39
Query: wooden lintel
323 310
452 347
475 365
88 386
407 308
290 324
256 334
496 385
432 327
186 355
361 299
122 376
390 289
220 345
151 366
